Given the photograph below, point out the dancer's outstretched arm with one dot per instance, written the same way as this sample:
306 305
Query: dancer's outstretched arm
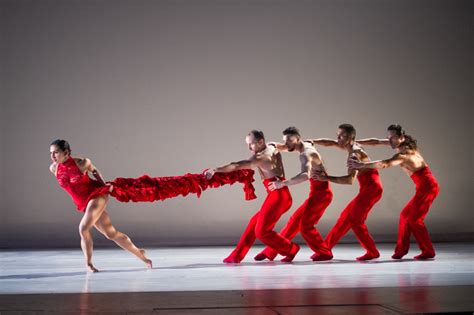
303 176
373 141
279 146
233 166
348 179
345 180
325 142
397 159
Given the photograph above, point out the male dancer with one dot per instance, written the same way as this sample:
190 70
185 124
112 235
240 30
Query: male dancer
370 191
320 196
427 188
268 161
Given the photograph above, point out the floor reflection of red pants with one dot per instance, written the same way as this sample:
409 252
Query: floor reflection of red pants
412 216
305 218
356 212
262 223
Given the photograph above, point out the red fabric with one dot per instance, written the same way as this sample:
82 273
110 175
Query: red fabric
262 223
82 188
356 212
305 218
151 189
412 216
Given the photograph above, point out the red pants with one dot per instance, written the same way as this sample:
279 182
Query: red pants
412 216
262 223
356 212
305 218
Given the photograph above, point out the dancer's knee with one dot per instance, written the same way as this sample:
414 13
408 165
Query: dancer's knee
84 231
415 223
262 233
111 235
378 191
356 220
306 225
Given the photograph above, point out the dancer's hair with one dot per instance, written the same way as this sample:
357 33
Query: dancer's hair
63 145
291 131
399 131
349 129
410 142
257 134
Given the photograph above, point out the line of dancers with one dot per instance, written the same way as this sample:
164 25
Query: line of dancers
92 195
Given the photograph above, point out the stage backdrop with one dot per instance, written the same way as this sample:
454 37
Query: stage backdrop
169 87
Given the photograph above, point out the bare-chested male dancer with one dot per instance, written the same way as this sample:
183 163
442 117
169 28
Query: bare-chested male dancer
308 214
412 216
267 160
370 191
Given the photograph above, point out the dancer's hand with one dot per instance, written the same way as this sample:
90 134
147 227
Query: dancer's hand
278 184
354 164
319 175
209 173
111 187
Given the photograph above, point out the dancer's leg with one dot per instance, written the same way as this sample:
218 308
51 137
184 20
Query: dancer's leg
104 225
358 216
341 227
245 242
315 208
289 231
404 231
94 210
276 204
421 205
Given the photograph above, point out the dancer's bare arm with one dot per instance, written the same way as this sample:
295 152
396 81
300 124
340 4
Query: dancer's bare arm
86 165
397 159
325 142
301 177
279 146
348 179
373 141
234 166
345 180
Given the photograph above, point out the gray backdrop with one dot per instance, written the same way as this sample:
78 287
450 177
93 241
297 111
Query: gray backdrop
170 87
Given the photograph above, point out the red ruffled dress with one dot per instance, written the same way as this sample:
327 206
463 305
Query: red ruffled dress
80 186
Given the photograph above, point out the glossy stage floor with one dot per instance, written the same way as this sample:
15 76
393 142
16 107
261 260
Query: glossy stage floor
192 280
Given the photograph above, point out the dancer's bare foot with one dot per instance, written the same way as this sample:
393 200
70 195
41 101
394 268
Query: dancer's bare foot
91 268
148 262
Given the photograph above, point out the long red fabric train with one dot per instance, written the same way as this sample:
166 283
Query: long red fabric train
82 188
151 189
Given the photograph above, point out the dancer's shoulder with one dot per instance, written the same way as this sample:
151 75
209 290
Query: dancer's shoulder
83 163
53 167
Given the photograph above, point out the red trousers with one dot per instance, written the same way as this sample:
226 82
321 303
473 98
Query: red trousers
305 218
262 223
356 212
412 216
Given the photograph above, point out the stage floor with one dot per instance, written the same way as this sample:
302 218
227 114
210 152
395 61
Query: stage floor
194 278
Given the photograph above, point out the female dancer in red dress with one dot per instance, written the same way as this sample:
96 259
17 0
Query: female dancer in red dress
90 197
